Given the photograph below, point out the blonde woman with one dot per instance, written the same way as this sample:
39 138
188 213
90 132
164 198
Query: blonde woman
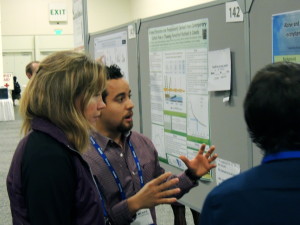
48 181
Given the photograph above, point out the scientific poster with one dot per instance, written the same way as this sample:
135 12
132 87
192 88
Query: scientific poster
286 37
178 84
112 49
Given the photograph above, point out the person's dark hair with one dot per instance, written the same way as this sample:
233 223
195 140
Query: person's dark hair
112 72
29 68
272 107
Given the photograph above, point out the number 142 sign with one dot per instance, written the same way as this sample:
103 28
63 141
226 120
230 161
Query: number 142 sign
233 12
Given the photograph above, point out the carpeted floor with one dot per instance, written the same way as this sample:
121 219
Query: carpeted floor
9 138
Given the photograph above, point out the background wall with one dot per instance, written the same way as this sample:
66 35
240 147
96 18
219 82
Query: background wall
147 8
28 35
30 17
106 14
103 14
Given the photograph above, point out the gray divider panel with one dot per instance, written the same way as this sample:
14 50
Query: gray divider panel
250 43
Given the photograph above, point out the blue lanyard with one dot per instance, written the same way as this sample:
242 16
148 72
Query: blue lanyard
281 155
101 198
112 170
138 165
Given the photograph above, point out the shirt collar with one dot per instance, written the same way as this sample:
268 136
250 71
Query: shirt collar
104 141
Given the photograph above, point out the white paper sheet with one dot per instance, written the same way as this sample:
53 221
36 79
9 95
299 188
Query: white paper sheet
219 70
226 169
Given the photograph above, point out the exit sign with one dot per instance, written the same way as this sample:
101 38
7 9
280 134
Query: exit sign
58 12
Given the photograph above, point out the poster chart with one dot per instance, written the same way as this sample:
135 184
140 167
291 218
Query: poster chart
112 49
286 37
178 85
78 25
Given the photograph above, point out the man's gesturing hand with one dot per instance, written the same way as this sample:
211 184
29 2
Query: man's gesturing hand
154 193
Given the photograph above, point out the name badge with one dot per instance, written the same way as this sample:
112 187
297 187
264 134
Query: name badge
143 217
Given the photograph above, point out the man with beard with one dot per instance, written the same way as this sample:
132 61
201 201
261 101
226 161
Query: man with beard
125 163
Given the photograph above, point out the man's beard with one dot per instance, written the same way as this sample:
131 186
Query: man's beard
124 129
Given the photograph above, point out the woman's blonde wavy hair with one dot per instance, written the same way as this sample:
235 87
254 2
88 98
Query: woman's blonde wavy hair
62 78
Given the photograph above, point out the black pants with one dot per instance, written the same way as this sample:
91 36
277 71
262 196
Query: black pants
179 214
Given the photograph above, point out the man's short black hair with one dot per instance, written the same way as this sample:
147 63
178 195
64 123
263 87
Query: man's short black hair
113 72
272 107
